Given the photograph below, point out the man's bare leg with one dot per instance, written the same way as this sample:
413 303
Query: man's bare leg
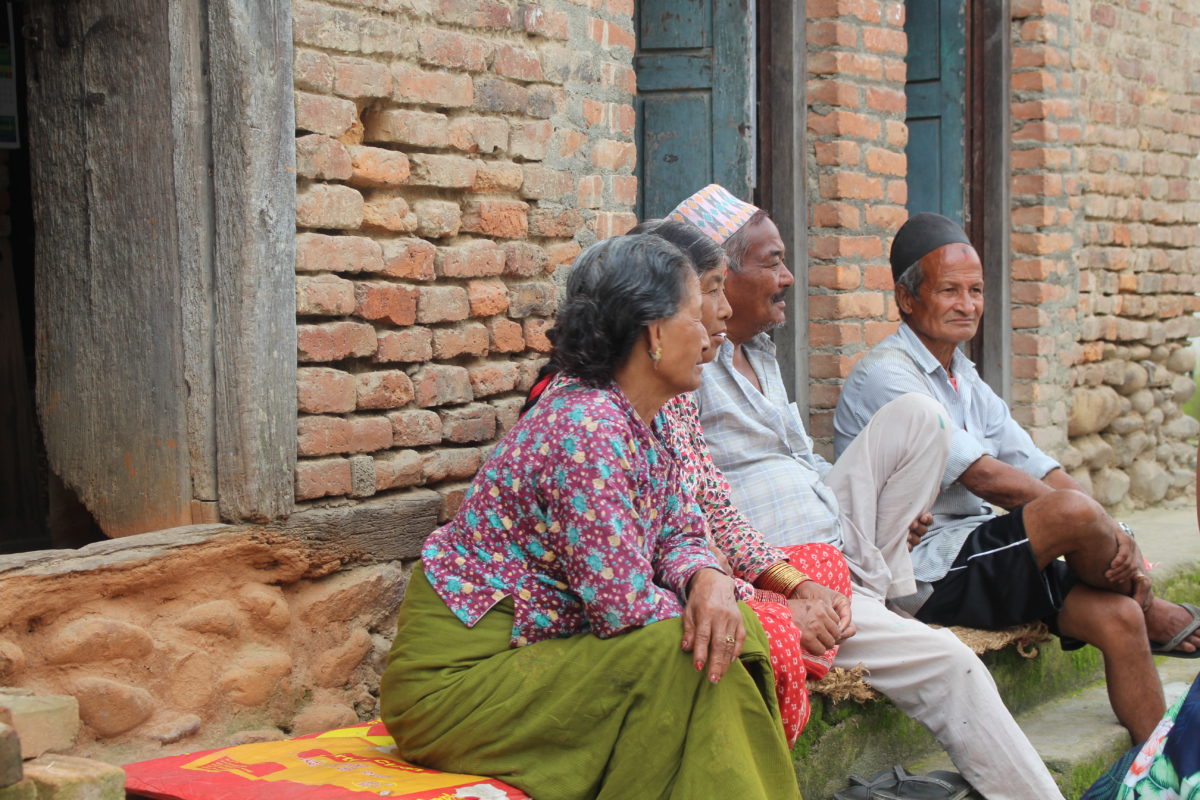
1116 625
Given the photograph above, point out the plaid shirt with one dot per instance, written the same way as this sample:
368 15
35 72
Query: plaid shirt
758 442
983 426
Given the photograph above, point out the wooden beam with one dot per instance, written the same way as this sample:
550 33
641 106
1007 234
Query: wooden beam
782 31
253 135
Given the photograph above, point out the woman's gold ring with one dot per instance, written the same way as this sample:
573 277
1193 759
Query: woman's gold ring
730 640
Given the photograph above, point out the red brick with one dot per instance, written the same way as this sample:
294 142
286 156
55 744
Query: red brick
845 247
324 295
474 14
506 336
442 304
830 365
508 412
333 341
535 333
834 93
1034 269
439 384
392 302
494 94
518 63
445 48
415 427
470 339
866 10
832 33
613 156
571 143
317 252
458 463
492 378
323 436
437 218
498 177
360 77
325 477
619 8
1035 157
607 223
845 63
368 434
325 205
388 212
444 89
823 395
836 215
623 189
398 469
312 71
896 192
562 254
878 276
876 332
443 171
403 126
1040 185
331 116
609 35
543 183
895 133
852 305
834 334
1029 367
532 298
850 185
475 259
539 22
479 134
529 369
546 101
1104 15
838 153
882 40
472 423
376 167
1031 344
487 298
834 276
320 390
408 345
1031 293
385 389
1042 243
886 162
408 258
844 124
889 218
506 219
590 193
524 259
318 156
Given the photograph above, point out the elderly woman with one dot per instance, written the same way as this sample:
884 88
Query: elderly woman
544 640
799 593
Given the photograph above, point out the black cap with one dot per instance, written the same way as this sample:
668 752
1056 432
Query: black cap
920 236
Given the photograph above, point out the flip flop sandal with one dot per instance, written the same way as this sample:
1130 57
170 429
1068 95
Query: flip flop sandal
898 783
1168 648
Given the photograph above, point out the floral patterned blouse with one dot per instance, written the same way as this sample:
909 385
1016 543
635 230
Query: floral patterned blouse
579 516
732 534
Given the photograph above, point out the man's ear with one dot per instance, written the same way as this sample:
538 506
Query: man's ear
904 300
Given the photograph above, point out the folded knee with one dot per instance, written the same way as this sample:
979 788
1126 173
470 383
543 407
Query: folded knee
919 411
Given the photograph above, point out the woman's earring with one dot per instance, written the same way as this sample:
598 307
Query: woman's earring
656 354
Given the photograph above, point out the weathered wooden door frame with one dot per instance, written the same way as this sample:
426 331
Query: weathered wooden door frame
989 171
782 178
223 243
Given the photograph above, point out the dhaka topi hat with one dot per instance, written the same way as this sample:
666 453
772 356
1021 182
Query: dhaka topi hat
715 211
920 236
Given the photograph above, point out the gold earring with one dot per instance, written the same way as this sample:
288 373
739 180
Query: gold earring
656 354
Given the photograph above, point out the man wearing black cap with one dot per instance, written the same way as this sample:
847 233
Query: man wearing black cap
976 568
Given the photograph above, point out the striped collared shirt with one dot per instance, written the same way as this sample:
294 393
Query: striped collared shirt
758 441
983 426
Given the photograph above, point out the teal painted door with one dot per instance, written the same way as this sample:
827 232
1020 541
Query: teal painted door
936 92
695 101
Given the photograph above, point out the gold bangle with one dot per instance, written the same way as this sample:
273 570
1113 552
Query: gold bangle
781 578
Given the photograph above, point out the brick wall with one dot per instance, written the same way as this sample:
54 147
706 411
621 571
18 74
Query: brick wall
1137 71
451 156
857 187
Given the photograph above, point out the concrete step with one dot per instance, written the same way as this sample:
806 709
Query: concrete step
1059 697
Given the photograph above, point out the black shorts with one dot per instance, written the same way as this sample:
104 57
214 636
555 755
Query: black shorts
995 582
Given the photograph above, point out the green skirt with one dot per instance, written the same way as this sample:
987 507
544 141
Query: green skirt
582 717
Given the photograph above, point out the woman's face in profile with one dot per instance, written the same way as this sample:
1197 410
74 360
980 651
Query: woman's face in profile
714 308
684 337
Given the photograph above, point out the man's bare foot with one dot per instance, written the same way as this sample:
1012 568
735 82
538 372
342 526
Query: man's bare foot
1165 620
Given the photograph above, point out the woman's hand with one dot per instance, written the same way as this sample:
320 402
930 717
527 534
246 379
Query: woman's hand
713 630
822 615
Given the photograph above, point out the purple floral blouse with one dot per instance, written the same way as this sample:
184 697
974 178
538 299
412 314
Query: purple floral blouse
579 515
